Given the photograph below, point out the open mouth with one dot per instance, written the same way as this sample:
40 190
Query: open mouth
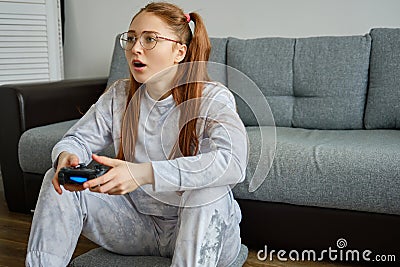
138 64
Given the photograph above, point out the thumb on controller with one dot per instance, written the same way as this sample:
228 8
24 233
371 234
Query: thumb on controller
73 160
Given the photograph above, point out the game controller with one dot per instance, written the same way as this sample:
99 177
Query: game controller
80 173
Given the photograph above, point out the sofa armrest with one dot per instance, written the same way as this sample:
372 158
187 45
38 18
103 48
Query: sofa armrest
25 106
40 104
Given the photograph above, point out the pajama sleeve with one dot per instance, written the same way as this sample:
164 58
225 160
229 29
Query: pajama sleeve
91 134
222 158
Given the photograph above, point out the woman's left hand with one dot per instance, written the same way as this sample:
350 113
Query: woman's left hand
123 177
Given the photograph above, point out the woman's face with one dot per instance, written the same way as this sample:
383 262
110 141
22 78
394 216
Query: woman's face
145 63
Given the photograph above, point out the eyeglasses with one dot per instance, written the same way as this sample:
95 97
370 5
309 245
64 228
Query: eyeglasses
147 40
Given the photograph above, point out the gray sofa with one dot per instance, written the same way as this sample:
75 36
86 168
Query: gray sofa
336 169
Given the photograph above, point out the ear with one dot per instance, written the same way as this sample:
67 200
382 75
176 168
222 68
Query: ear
180 53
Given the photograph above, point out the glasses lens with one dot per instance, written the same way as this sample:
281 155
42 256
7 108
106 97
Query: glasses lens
127 40
148 40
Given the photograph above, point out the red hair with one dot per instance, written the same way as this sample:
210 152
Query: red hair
188 81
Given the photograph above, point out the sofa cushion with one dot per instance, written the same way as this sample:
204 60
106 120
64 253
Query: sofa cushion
119 67
217 60
100 257
36 144
317 82
383 106
268 63
330 82
344 169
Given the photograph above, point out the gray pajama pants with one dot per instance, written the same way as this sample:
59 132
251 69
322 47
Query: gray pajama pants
208 235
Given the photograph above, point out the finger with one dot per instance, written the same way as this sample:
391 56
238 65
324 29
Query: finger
99 180
112 186
95 189
103 188
105 160
120 189
115 191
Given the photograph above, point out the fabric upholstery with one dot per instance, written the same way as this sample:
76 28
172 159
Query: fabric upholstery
268 63
36 144
330 82
217 61
100 257
344 169
119 68
383 104
316 83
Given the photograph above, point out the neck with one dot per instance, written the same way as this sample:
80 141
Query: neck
158 91
160 86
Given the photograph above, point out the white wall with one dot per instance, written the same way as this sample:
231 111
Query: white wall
91 25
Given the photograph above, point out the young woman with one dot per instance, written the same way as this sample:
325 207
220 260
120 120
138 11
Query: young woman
180 147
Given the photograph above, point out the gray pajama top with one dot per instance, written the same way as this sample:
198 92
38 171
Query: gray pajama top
221 161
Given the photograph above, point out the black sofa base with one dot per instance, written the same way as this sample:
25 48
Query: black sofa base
291 227
32 182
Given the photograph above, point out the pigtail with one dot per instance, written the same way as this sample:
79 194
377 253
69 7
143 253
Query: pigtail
130 122
188 95
199 47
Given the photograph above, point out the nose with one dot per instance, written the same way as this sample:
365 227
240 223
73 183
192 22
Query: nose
137 47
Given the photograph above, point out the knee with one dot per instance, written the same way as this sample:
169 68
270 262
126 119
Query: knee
207 204
47 185
205 197
48 177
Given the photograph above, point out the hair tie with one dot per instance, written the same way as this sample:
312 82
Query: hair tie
187 18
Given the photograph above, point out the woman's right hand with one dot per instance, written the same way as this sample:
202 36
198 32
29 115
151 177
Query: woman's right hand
66 159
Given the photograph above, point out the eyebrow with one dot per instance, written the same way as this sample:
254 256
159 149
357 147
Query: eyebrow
133 31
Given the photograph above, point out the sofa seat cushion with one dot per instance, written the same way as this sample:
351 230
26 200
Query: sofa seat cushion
36 144
344 169
100 257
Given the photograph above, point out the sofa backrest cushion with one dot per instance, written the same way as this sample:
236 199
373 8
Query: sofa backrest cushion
330 82
383 102
316 82
119 68
217 66
268 62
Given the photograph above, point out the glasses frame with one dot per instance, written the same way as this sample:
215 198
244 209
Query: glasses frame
132 43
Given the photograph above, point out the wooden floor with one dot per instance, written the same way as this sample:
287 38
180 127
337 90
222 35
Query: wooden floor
14 232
